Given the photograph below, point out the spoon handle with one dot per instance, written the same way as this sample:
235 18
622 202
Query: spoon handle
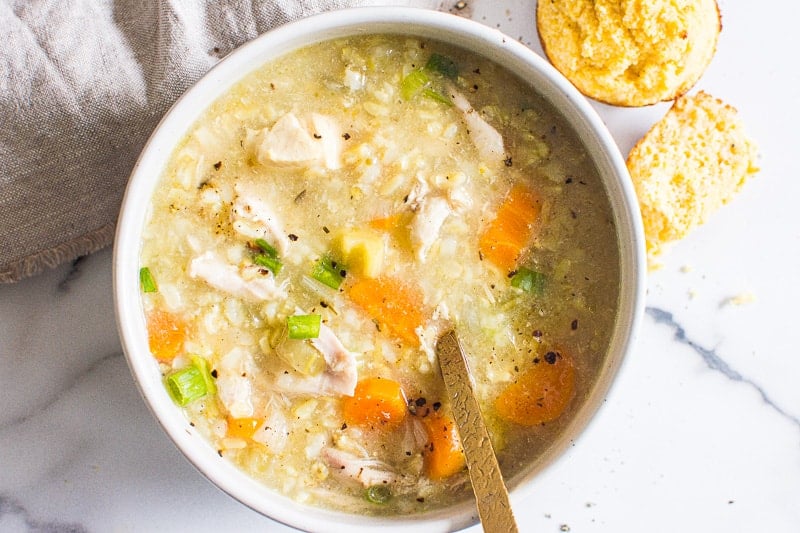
491 495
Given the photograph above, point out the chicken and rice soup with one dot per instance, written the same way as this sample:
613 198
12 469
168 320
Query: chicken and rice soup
326 220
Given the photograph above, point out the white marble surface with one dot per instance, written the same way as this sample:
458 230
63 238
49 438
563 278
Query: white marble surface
700 433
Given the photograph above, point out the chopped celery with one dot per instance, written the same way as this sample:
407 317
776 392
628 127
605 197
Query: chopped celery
146 280
326 271
303 326
412 84
267 261
302 356
379 494
443 65
528 280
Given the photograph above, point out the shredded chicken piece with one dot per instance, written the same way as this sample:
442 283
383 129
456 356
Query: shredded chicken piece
431 214
253 218
429 333
354 80
486 139
432 209
366 471
329 133
459 198
287 141
419 190
341 371
250 282
274 432
292 141
339 377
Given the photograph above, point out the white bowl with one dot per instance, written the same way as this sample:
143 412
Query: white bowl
413 22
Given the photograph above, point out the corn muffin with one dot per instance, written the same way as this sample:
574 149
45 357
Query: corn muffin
626 52
687 166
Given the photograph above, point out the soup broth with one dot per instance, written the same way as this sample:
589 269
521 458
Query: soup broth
329 217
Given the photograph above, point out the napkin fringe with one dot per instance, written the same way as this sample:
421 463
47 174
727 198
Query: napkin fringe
34 264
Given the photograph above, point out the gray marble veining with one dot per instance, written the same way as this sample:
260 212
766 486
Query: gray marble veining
715 362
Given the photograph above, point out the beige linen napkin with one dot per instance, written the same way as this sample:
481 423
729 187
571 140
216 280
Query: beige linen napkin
82 85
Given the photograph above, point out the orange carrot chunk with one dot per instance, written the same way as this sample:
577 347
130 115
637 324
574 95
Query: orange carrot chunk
377 403
390 223
396 227
512 229
166 333
443 454
541 393
393 304
242 428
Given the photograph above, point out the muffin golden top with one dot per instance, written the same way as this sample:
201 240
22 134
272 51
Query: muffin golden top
629 52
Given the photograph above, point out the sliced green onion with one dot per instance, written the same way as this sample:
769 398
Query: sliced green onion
325 272
146 280
413 83
267 261
418 82
437 96
379 494
202 365
192 382
187 385
443 65
303 326
528 280
267 248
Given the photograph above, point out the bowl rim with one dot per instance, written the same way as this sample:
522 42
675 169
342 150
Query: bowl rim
235 66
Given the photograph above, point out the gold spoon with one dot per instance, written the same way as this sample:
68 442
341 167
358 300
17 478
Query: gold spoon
490 490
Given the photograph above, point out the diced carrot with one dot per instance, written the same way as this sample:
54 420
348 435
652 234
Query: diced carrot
390 223
511 231
242 428
166 333
396 226
393 304
377 403
443 454
541 393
